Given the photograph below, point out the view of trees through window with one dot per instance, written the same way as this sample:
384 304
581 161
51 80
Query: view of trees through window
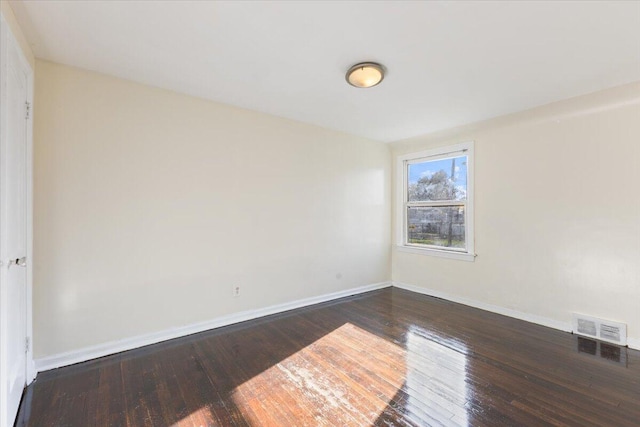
436 193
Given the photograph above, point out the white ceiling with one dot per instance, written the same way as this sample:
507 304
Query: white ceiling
449 63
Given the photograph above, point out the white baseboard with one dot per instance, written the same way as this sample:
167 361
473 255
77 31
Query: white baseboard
532 318
105 349
633 343
112 347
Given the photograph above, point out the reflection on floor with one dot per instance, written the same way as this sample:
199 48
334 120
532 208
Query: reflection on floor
389 357
601 349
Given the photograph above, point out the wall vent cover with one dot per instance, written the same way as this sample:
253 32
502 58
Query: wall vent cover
587 327
609 332
605 330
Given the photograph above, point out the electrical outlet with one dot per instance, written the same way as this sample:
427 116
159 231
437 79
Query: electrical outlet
236 290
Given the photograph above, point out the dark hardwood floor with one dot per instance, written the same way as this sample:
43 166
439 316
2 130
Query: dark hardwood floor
389 357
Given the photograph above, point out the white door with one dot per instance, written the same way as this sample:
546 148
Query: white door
13 227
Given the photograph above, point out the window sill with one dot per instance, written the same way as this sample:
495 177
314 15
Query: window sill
463 256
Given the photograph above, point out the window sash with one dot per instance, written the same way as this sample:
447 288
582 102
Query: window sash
436 157
432 203
444 156
437 203
437 247
465 149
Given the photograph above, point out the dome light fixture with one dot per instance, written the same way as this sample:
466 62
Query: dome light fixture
365 74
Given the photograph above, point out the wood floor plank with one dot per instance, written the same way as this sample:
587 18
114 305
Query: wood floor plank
385 358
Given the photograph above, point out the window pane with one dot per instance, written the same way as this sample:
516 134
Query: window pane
444 179
436 226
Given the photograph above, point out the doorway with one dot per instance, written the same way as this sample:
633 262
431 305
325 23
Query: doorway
16 367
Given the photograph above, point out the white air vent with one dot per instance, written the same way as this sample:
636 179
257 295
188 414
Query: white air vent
604 330
587 327
610 332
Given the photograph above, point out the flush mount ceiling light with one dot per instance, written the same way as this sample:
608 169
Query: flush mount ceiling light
365 74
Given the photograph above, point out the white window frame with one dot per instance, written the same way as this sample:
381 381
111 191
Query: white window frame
402 203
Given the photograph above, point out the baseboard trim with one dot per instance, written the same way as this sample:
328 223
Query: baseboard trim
112 347
633 343
531 318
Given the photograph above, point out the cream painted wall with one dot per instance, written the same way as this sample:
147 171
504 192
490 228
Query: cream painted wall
557 221
10 18
150 206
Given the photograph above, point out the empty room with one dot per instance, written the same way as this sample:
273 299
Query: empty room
319 213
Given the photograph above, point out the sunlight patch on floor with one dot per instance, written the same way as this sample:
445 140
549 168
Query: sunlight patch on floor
347 377
200 418
352 377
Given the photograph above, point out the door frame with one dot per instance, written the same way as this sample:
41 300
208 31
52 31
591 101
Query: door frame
7 39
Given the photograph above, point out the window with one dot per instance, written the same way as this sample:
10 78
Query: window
435 207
